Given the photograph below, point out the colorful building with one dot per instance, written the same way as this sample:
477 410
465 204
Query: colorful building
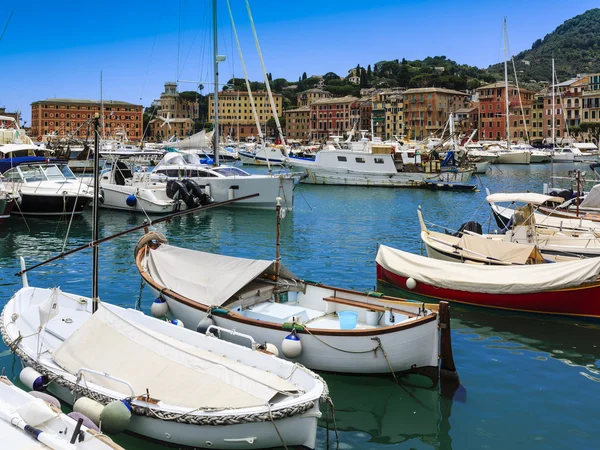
297 124
333 116
426 110
175 115
492 111
306 98
70 117
235 113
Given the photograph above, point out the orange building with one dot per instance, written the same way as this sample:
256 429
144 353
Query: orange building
426 110
68 117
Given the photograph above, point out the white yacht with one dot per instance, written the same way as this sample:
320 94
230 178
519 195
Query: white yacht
227 182
47 190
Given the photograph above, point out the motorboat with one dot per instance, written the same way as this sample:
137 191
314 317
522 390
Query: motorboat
35 422
47 190
570 288
332 329
226 182
125 188
381 166
7 201
166 383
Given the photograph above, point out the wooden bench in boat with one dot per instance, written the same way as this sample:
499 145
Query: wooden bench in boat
372 307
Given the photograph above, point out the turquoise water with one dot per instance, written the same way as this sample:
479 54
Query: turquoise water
528 382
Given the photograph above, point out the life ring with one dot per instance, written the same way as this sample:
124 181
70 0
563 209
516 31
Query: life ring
149 237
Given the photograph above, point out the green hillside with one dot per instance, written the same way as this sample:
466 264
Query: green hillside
574 45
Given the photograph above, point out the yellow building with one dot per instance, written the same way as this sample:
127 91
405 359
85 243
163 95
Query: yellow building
174 114
235 113
297 124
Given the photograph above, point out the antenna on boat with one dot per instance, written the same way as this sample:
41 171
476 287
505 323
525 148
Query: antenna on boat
95 216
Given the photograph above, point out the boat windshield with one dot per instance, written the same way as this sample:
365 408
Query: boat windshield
229 171
58 173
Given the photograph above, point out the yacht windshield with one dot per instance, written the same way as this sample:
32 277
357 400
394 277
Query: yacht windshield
231 171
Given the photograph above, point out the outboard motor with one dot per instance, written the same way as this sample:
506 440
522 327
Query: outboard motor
474 227
177 190
195 190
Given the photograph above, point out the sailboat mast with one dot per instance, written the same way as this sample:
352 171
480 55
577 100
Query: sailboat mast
216 77
553 109
101 105
506 91
95 216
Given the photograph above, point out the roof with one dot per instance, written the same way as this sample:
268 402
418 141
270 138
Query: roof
432 90
466 110
298 110
84 102
316 91
335 100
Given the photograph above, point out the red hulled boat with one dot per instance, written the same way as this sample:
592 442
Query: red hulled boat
568 288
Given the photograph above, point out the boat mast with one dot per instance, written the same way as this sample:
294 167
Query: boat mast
506 91
95 216
216 59
553 109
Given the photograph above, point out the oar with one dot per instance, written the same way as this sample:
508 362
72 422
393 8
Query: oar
146 224
50 440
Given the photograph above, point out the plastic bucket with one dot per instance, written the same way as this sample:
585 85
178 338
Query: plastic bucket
347 319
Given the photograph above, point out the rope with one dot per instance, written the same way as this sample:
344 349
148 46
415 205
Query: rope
374 349
380 345
329 404
138 305
275 426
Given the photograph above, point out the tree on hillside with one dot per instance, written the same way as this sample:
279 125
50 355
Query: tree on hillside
592 128
304 76
369 73
330 76
363 78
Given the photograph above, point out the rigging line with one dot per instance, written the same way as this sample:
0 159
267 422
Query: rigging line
512 58
251 97
262 63
149 62
178 41
6 26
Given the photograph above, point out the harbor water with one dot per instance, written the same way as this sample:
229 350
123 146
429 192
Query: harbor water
527 381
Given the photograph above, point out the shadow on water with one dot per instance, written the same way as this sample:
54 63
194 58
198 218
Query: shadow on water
376 410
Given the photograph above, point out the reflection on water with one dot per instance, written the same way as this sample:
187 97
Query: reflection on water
572 342
531 380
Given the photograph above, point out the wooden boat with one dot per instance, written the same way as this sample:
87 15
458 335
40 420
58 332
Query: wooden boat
181 387
491 249
30 423
264 299
570 288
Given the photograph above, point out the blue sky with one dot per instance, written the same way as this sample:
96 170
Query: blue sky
59 49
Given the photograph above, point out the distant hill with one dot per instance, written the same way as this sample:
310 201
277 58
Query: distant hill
574 45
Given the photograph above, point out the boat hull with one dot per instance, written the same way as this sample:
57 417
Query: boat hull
315 175
115 197
51 205
513 158
581 301
415 347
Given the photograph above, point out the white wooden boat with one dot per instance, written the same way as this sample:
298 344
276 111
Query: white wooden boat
48 427
360 168
182 388
227 182
263 299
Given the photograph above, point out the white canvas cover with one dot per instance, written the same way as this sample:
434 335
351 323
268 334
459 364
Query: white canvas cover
485 278
174 372
592 199
197 140
524 197
206 278
480 247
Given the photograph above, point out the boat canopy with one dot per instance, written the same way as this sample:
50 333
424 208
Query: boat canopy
592 199
172 371
206 278
8 148
486 278
524 197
